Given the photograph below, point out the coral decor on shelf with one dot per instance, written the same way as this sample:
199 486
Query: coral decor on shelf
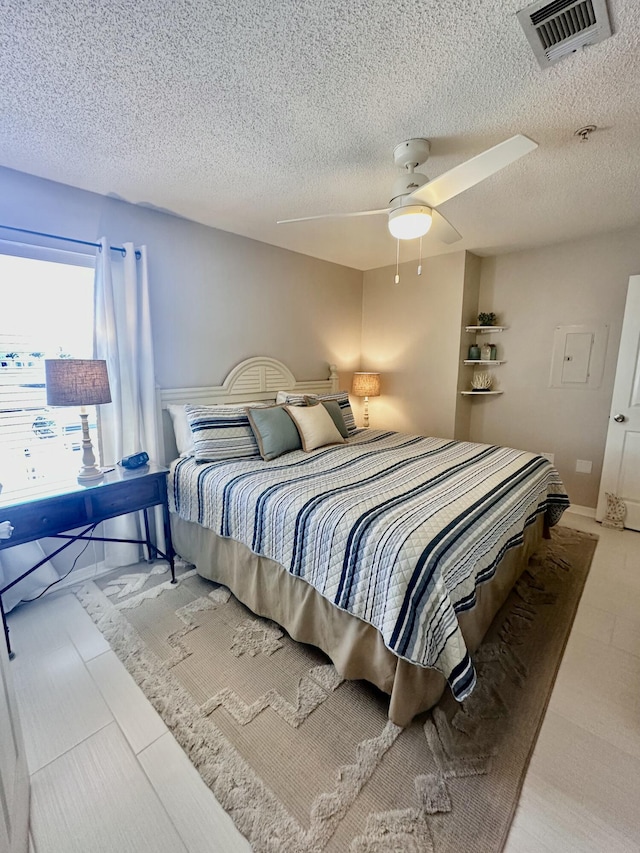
482 381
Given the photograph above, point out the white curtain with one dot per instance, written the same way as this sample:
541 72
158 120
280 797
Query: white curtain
123 338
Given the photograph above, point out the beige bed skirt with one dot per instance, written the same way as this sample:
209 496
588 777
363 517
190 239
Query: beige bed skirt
355 647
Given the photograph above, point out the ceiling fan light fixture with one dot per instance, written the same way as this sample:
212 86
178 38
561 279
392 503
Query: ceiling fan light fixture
410 222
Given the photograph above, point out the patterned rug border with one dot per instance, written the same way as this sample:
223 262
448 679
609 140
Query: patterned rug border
234 783
268 826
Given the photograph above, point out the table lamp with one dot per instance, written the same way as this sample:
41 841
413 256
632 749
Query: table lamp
79 382
366 385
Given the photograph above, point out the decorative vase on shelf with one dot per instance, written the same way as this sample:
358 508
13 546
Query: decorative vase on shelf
474 353
481 381
485 352
494 352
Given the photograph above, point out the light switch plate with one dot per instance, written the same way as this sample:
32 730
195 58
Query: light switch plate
583 466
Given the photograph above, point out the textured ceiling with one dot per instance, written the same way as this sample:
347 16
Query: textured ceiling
236 114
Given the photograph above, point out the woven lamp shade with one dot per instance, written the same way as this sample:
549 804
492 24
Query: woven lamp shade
77 382
366 385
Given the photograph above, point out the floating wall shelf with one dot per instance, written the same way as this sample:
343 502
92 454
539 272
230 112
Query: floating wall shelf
481 330
484 361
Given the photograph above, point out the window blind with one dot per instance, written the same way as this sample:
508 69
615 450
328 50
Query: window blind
22 391
48 313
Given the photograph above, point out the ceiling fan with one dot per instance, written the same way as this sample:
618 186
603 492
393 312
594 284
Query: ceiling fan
414 198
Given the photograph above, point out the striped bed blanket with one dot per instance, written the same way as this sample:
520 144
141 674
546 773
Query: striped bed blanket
396 529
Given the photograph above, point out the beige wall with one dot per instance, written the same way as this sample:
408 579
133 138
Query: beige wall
412 334
532 292
216 298
247 298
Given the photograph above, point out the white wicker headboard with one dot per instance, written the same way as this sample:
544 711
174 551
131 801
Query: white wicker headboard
257 378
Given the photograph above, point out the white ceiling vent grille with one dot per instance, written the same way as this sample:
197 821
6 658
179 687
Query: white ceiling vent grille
556 29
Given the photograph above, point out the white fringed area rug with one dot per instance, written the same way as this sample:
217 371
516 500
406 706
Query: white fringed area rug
305 761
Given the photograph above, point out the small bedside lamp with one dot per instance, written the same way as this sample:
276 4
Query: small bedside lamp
366 385
79 382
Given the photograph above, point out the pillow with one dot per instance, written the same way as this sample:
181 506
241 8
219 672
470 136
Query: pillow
342 399
290 398
222 432
181 430
315 426
274 430
333 407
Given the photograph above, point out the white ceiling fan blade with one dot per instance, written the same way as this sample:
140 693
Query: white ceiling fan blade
335 215
470 173
442 229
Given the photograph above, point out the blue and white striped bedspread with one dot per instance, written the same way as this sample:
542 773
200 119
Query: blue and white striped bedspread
396 529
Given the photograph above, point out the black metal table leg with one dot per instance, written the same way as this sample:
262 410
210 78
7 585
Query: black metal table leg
6 630
152 551
168 544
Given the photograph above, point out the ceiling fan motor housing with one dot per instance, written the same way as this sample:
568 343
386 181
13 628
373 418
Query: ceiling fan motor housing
406 184
412 153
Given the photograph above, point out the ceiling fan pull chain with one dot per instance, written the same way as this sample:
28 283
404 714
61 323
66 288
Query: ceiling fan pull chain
420 259
397 279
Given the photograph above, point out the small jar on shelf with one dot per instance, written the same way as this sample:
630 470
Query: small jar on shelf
485 352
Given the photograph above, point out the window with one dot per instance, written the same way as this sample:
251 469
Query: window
46 312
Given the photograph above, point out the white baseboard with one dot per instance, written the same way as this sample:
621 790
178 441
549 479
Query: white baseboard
589 511
86 573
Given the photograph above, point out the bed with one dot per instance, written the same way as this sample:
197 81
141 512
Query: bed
391 553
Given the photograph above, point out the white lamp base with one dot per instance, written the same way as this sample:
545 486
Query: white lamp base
86 475
89 473
366 413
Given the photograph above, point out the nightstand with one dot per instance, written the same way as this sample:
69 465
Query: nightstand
51 509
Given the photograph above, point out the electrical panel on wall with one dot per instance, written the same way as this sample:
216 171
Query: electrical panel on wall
578 356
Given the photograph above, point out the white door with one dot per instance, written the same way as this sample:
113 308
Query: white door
621 468
14 778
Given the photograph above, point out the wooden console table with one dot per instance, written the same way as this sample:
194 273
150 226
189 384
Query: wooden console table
51 509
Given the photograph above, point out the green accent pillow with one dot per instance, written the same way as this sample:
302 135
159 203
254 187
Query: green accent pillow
333 407
274 430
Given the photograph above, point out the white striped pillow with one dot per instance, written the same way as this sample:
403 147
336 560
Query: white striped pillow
222 432
341 397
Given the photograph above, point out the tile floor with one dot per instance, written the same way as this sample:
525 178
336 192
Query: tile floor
112 778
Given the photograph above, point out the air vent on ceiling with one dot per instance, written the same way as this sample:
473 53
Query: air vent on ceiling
556 29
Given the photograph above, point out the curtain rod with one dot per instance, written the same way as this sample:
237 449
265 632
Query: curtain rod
66 239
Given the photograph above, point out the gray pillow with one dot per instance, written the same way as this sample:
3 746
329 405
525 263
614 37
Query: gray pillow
274 430
333 407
